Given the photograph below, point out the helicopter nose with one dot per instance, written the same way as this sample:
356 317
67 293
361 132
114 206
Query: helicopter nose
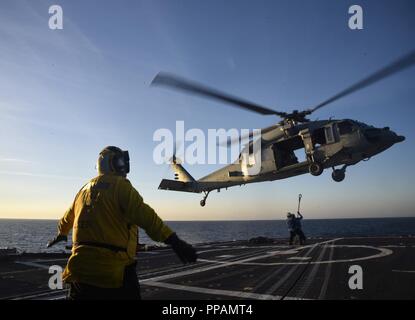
385 135
375 135
395 137
399 139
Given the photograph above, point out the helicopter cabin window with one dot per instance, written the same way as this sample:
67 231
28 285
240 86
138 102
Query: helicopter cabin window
345 127
284 151
322 136
318 136
329 134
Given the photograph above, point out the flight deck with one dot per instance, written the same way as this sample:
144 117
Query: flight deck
264 270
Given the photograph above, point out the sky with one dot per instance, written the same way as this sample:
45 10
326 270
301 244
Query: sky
65 94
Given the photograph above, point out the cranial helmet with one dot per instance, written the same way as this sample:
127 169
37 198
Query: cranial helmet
113 160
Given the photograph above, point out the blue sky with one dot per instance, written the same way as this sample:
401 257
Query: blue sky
65 94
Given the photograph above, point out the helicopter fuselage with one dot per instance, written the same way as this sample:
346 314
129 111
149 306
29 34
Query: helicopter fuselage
325 143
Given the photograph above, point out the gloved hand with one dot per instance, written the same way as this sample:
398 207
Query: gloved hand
57 239
184 251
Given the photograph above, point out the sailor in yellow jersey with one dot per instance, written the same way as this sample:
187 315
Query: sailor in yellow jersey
105 216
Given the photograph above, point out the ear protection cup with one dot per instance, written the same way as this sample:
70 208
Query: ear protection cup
113 159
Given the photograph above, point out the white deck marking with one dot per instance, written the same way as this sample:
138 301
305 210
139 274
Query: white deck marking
383 252
299 258
33 264
43 294
218 292
239 294
221 264
404 271
310 275
175 268
393 246
268 278
287 275
326 276
49 260
285 252
18 271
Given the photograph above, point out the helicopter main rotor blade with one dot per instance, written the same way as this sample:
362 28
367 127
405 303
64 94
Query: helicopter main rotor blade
246 136
172 81
399 65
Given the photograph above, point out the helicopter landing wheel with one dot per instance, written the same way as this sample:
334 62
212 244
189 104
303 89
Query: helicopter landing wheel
203 201
315 168
338 175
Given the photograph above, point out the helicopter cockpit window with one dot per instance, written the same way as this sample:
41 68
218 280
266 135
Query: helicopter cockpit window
345 127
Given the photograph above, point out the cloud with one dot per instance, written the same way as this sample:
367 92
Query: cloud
39 175
28 46
15 160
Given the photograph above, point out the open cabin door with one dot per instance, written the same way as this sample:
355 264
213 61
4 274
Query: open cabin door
317 142
284 151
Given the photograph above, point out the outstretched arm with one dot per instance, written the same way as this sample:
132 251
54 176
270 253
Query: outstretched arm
137 212
300 216
141 214
65 225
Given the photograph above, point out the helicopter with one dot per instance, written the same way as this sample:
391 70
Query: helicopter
331 143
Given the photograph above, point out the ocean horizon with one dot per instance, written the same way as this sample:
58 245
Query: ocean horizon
31 235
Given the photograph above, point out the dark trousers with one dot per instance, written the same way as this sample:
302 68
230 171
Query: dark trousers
300 234
130 289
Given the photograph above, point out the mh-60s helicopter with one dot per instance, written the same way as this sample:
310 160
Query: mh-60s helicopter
327 143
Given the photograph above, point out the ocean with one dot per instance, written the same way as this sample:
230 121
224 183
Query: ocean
32 235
